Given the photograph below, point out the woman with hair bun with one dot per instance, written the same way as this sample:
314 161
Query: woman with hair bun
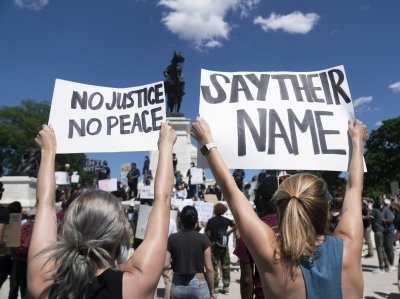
302 260
81 261
189 253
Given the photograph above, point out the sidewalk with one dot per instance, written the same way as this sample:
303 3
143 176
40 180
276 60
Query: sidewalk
376 286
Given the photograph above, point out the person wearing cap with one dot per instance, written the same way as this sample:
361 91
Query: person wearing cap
302 261
189 256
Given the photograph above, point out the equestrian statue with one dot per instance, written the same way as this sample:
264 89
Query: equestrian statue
174 83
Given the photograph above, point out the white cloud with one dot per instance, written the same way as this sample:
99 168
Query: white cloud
296 22
361 101
395 87
203 22
31 4
378 124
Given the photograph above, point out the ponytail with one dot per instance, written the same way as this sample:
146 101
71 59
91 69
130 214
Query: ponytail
303 210
94 227
297 234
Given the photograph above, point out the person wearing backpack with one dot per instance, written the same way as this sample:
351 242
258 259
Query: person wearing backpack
217 231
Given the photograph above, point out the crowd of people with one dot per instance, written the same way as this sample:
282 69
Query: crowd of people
297 242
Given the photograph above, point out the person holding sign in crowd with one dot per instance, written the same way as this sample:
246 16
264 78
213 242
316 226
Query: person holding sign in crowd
302 261
80 263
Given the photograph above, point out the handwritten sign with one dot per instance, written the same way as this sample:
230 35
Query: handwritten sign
147 192
108 185
279 120
88 118
205 210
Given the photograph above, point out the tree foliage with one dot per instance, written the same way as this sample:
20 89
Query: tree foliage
383 158
18 127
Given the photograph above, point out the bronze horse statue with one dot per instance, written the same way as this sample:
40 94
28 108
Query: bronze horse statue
174 83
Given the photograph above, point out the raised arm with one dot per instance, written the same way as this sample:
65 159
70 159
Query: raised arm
253 231
350 227
45 228
144 268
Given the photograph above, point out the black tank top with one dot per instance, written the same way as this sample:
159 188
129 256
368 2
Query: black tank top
107 285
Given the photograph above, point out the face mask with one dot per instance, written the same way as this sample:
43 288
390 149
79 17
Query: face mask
334 214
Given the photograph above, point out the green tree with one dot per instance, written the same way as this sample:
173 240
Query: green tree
382 157
18 127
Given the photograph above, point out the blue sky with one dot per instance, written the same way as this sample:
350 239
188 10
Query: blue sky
124 43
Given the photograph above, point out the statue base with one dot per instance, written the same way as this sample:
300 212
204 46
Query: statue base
174 114
185 151
19 188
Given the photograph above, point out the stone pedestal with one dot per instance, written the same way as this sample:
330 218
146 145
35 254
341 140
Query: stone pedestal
19 188
183 148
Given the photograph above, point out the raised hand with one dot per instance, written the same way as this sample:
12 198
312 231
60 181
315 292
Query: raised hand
201 131
167 135
46 139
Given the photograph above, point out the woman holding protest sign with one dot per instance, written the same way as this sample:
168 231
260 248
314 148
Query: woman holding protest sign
302 261
81 262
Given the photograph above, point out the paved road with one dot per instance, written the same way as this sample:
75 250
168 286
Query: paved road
376 286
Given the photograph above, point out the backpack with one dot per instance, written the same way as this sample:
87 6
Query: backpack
21 252
222 238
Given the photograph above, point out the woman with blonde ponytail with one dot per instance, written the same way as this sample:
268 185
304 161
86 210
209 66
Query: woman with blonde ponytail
81 261
302 261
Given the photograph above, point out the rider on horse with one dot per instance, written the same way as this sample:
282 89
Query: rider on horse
174 82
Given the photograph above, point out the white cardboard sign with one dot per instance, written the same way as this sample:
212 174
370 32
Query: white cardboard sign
108 185
279 120
88 118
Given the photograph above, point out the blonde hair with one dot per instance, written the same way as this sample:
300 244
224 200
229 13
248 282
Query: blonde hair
302 206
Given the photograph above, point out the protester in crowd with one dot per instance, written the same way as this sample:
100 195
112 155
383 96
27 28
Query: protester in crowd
5 260
396 221
146 164
19 270
388 232
335 208
178 177
120 192
174 162
214 189
288 263
192 187
189 255
217 231
366 216
13 208
81 261
180 191
133 179
383 228
167 273
250 284
104 172
238 175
